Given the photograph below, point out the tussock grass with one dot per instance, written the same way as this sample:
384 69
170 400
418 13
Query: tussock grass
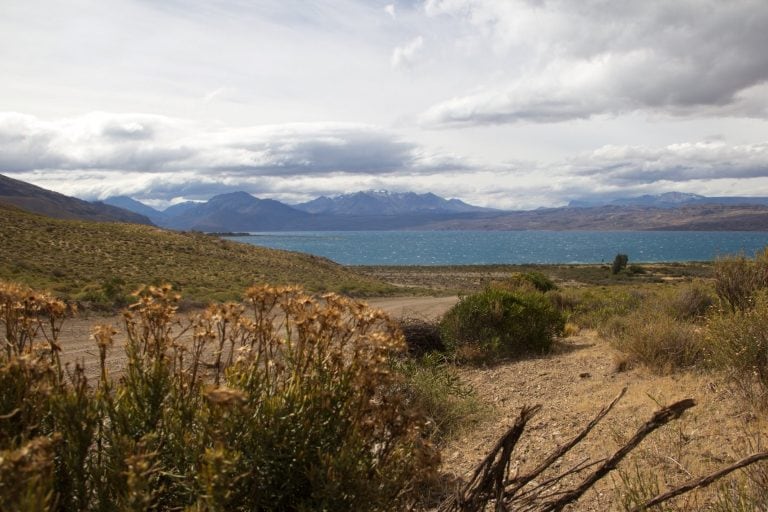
105 262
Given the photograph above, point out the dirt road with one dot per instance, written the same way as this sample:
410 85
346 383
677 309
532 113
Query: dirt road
78 347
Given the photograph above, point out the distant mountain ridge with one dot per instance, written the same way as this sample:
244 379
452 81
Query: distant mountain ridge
668 200
382 210
38 200
375 210
383 202
237 211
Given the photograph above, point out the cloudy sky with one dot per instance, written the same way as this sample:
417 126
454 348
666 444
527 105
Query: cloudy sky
504 103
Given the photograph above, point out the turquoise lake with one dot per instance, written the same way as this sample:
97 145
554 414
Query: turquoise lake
491 247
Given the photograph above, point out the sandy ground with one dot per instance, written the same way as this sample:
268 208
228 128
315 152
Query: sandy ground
572 385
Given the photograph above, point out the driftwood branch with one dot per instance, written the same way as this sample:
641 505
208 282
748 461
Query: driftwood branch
702 481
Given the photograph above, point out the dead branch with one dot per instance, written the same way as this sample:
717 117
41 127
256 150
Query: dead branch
702 481
518 483
489 474
659 419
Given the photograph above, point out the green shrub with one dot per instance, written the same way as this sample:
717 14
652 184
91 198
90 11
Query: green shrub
433 386
535 280
501 323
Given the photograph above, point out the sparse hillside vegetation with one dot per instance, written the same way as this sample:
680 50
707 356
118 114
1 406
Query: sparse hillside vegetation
104 262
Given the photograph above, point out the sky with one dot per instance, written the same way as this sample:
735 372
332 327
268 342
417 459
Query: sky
513 104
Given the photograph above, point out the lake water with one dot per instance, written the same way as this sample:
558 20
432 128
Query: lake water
489 247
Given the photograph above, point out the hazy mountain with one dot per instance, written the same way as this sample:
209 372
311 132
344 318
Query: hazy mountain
236 211
668 200
240 211
386 203
690 217
52 204
181 208
135 206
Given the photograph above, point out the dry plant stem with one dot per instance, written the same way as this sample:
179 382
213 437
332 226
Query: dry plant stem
529 496
659 419
477 491
519 482
702 481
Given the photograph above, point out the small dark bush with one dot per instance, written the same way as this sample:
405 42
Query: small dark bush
501 323
539 281
421 336
619 263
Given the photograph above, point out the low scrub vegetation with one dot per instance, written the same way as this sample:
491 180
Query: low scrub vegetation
501 323
102 263
656 339
433 386
284 403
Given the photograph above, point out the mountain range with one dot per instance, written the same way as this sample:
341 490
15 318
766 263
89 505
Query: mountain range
382 210
369 210
668 200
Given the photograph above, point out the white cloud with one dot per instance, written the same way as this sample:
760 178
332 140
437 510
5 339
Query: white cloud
289 99
166 159
404 56
675 163
573 60
191 156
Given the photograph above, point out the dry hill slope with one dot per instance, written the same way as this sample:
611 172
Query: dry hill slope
78 258
52 204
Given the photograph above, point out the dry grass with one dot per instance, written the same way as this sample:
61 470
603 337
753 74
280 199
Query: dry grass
83 259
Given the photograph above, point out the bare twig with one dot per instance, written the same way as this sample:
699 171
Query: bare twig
659 418
536 492
489 474
10 414
702 481
519 482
